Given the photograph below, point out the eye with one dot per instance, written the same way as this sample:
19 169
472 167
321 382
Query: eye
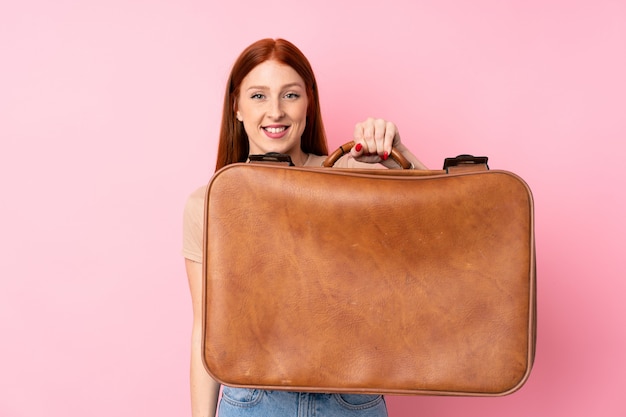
257 96
292 96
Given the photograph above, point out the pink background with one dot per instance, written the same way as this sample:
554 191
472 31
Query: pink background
109 114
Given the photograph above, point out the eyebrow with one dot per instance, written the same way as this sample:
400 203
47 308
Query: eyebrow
263 87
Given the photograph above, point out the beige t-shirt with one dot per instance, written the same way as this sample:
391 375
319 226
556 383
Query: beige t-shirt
193 216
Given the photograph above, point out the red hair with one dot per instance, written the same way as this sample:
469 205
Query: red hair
233 144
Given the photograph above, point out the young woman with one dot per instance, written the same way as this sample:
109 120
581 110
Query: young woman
271 104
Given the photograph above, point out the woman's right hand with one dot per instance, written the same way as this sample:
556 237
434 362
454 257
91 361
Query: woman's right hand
374 139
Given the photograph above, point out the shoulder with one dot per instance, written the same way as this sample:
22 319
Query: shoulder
194 206
193 224
314 160
196 198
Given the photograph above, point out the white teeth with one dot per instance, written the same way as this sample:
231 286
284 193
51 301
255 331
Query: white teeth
275 129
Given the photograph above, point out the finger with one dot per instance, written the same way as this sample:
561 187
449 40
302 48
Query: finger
357 136
357 150
380 126
369 139
391 132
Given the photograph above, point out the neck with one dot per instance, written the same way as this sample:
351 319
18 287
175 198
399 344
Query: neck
299 158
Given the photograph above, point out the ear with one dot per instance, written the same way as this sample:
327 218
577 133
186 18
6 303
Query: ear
237 112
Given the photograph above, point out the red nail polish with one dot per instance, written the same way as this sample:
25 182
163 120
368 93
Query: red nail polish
385 156
358 147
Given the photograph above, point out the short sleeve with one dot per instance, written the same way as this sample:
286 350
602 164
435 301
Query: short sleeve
193 225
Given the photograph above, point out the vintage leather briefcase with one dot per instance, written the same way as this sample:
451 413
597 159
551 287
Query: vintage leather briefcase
371 281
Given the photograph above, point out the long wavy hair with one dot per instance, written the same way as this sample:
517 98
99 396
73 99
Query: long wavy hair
233 144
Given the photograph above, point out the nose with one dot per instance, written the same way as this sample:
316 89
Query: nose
275 110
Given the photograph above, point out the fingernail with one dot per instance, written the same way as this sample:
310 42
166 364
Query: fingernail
358 147
385 156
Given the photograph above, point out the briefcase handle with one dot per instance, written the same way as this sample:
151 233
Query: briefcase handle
345 148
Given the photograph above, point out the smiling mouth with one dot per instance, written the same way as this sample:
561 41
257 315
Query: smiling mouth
275 129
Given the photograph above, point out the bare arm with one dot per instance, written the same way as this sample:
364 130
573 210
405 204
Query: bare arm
204 389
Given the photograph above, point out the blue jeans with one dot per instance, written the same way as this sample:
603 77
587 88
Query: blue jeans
243 402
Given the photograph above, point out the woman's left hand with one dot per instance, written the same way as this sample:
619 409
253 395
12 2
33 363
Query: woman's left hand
373 140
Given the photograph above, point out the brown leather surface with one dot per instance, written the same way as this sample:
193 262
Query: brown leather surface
328 280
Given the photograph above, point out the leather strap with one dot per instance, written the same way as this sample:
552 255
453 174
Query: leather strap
346 147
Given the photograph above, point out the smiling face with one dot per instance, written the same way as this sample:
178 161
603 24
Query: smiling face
272 104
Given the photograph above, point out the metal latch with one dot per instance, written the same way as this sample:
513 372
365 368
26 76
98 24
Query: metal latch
271 158
465 161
